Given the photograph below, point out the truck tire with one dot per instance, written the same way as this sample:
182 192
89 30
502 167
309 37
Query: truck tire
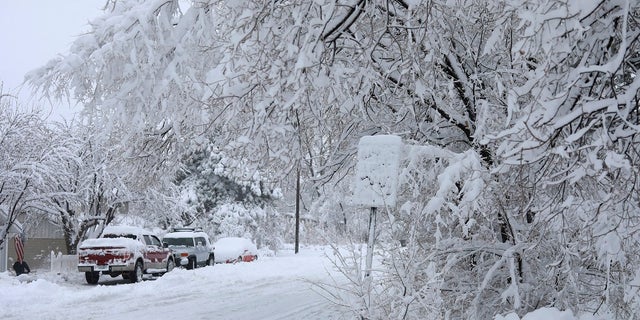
92 277
170 265
136 274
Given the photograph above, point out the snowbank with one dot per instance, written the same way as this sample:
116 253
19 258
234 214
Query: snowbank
549 314
272 288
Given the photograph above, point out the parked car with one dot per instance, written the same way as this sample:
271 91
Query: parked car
191 247
234 249
124 250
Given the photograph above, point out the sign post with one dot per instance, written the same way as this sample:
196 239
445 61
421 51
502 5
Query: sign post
376 180
370 242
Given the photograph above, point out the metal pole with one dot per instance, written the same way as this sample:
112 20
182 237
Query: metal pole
372 236
369 262
297 210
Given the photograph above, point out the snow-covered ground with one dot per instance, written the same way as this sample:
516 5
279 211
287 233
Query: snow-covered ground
279 287
276 287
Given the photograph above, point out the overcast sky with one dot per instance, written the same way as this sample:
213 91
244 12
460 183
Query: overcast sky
34 31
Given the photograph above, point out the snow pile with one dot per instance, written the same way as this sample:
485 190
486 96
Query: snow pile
232 247
548 314
280 287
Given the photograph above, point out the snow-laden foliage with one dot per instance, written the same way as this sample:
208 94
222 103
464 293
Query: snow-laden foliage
209 178
89 189
225 197
572 154
29 161
552 220
83 180
523 190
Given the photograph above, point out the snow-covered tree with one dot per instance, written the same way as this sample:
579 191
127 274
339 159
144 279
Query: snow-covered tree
575 146
89 188
214 179
531 107
219 192
29 160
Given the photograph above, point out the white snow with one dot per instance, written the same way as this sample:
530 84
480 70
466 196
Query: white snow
545 314
117 237
125 230
376 178
185 234
278 287
112 243
232 247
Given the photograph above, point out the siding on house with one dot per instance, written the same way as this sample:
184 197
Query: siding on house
43 230
42 238
37 252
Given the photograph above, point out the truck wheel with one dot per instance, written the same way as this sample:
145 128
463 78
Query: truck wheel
170 265
211 261
136 274
92 277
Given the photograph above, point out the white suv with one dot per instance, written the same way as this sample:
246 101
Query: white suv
190 246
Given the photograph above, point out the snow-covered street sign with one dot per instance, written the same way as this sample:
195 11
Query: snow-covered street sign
377 170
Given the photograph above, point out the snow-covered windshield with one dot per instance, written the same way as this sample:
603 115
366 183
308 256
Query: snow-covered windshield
185 242
112 235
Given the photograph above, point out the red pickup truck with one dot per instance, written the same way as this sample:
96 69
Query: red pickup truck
123 250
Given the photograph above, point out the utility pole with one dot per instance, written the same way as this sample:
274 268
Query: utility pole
297 209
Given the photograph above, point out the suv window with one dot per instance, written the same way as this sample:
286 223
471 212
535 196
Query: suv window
187 242
201 240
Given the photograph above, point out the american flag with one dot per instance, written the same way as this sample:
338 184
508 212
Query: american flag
19 247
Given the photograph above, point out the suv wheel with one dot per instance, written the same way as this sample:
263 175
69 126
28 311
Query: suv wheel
192 264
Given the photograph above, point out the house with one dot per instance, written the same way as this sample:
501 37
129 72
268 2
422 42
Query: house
42 238
4 248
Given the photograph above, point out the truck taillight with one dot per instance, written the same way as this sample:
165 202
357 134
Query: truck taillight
184 254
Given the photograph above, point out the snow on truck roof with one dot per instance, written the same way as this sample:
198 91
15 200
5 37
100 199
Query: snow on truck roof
184 234
111 242
125 230
118 236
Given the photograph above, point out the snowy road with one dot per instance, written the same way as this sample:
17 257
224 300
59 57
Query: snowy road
272 288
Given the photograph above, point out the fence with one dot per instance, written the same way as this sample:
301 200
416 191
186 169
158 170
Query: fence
63 263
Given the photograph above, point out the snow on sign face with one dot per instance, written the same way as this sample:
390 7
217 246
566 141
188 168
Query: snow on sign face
377 170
